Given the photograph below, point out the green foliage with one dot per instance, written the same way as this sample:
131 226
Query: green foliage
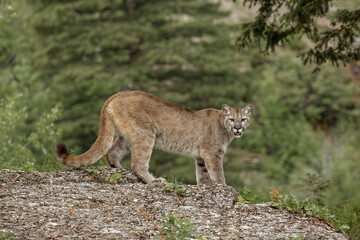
279 21
294 238
113 178
246 195
172 188
311 95
349 213
116 176
169 188
342 156
5 236
7 12
7 45
285 135
30 151
95 174
275 194
292 108
180 192
174 228
315 187
174 181
306 208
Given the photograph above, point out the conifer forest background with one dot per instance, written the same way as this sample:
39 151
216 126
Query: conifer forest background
61 60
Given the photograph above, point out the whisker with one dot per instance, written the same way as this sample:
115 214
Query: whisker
249 131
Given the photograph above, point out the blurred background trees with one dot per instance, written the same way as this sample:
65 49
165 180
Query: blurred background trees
61 60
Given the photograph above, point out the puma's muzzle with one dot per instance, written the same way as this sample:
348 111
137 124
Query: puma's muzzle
238 132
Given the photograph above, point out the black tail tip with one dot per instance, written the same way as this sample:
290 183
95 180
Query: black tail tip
61 149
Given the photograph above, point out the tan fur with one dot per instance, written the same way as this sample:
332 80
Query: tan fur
144 122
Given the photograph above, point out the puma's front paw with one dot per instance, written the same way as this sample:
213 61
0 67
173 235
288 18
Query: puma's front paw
160 181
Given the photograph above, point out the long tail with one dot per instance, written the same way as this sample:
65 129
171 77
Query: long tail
99 148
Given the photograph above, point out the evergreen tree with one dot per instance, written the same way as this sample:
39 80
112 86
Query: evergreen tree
7 51
27 132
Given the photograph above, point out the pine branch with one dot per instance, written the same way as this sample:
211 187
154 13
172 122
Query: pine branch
335 45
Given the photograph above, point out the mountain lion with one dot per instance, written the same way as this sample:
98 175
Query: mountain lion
143 122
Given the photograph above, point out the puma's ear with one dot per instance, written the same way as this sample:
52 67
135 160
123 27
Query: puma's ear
248 109
226 109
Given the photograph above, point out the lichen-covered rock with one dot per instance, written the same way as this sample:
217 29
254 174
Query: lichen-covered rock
84 204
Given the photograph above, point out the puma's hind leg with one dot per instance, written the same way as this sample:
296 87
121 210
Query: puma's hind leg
118 150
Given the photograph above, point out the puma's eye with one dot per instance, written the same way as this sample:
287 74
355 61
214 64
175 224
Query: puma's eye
243 119
231 119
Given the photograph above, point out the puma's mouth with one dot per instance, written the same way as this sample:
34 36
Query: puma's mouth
238 133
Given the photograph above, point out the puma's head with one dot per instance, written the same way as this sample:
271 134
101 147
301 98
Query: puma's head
236 119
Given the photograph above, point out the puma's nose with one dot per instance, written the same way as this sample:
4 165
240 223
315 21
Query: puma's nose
237 127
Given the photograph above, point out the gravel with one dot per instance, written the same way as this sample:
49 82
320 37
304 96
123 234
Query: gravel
78 204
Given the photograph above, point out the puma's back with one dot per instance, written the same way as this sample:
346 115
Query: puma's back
143 121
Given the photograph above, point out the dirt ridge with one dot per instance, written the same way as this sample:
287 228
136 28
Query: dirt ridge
78 204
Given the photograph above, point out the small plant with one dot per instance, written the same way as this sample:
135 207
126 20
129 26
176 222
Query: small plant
240 199
174 228
275 195
292 204
72 211
29 167
114 178
169 188
246 195
172 188
93 171
5 236
174 181
180 192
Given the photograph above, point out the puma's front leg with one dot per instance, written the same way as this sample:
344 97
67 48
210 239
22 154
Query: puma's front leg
141 149
214 164
202 174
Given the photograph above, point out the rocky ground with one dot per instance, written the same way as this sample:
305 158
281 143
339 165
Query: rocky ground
77 204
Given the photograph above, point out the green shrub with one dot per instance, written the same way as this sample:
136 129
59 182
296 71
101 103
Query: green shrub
170 187
349 213
246 195
180 192
306 208
176 228
173 188
6 236
27 146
